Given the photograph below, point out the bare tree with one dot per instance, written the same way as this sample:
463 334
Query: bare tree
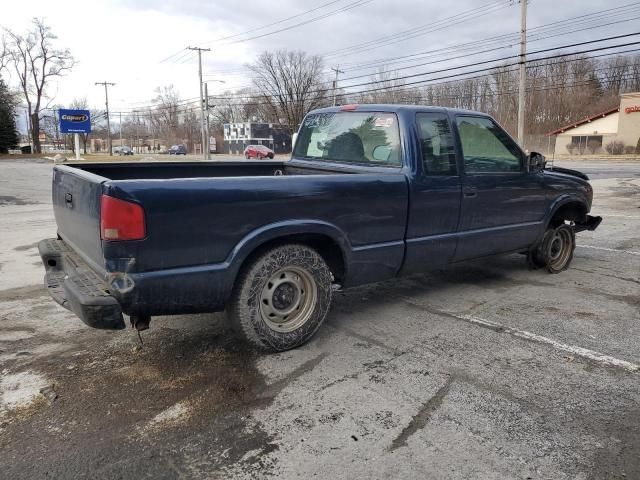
242 106
4 52
387 88
165 118
289 85
35 60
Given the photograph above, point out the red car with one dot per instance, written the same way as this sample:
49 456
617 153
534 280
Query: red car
258 151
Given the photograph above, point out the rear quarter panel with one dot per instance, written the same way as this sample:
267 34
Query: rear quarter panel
195 222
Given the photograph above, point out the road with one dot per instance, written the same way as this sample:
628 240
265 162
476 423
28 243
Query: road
599 169
488 370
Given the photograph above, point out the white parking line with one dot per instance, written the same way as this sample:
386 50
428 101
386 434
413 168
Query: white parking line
620 216
608 249
592 355
582 352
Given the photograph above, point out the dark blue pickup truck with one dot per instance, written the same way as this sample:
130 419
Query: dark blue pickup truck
371 192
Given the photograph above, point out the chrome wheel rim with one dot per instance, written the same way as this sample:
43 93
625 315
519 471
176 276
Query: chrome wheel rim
559 248
288 299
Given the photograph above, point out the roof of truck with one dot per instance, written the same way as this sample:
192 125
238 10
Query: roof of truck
390 107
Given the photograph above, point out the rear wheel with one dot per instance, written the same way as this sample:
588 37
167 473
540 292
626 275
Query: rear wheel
282 298
555 251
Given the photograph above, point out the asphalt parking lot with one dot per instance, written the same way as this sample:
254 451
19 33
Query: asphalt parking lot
487 371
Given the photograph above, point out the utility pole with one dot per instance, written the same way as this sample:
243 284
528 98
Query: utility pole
202 123
523 70
106 103
207 154
121 131
206 110
335 83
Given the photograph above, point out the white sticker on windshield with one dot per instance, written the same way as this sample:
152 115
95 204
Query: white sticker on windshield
383 122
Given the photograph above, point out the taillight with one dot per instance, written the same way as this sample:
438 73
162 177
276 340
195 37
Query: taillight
121 220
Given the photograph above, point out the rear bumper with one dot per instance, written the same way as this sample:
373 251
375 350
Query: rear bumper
75 286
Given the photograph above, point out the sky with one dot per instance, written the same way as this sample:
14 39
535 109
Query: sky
140 45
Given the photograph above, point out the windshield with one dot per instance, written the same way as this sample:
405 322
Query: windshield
350 137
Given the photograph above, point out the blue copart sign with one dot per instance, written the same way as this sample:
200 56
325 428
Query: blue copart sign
75 121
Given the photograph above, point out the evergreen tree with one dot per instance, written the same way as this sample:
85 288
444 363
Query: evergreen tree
8 132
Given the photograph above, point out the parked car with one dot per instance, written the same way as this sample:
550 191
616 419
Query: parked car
124 150
258 151
180 149
371 193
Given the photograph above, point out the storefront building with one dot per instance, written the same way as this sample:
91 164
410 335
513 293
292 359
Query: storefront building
237 136
598 134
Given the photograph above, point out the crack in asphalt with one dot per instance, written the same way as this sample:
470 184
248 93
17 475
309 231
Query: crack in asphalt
420 420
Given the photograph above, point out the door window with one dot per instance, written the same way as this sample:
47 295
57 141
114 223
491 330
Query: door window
486 148
436 144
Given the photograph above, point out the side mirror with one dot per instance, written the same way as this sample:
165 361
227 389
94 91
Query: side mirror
536 162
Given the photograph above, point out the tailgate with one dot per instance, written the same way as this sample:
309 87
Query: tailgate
76 205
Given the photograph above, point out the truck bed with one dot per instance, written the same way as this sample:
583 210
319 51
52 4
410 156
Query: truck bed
202 218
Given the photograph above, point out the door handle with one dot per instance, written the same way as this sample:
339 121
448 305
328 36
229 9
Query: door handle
470 192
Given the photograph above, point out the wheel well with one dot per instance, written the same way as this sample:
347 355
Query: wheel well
328 249
572 211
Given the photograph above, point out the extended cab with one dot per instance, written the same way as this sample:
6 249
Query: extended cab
371 192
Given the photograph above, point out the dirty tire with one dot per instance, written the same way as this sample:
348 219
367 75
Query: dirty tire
555 251
281 279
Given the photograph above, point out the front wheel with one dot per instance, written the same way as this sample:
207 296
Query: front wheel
555 251
281 299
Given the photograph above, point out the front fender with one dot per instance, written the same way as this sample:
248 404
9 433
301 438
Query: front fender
557 204
564 200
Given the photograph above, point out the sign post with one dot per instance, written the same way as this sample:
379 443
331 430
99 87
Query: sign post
76 122
76 141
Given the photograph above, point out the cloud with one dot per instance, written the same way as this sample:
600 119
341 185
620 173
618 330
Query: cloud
124 42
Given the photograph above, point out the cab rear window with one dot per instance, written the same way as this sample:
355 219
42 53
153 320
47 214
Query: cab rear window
369 138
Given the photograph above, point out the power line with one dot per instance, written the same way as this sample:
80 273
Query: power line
256 29
357 3
253 30
495 60
539 33
422 30
449 58
432 82
511 38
